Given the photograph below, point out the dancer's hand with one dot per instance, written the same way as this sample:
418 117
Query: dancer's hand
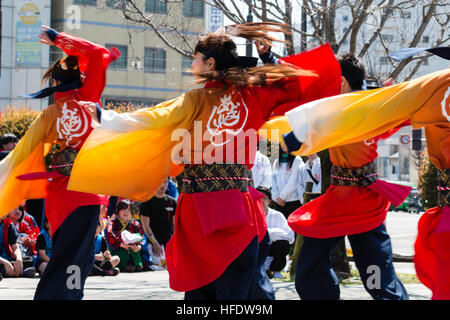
261 47
44 36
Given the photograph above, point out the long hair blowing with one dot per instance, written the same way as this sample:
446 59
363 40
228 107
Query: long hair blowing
220 46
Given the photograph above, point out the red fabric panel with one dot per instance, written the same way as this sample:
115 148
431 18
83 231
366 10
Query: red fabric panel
340 211
193 259
432 252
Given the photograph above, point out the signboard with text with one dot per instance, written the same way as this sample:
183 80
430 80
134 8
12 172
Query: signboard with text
28 28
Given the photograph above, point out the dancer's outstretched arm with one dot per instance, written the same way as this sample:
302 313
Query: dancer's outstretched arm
357 116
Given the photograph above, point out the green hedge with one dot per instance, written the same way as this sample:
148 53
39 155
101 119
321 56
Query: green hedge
17 120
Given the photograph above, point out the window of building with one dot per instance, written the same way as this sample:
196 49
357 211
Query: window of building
85 2
193 8
116 4
122 61
425 39
387 37
405 167
345 18
154 60
185 64
156 6
406 15
384 60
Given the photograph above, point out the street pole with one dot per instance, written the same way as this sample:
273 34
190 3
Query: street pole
249 45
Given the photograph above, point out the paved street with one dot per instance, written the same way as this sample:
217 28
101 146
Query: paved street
155 285
402 228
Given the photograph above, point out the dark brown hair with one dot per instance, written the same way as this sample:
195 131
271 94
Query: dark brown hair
66 68
221 47
123 204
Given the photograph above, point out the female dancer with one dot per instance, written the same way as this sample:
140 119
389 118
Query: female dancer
362 115
219 220
72 216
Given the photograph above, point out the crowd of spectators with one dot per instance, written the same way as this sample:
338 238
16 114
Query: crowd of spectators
130 236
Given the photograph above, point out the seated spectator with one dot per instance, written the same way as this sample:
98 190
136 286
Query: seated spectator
28 231
7 143
104 218
43 248
281 236
129 254
157 217
11 260
104 263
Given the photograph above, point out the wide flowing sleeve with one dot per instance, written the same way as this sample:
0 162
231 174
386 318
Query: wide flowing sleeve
27 157
323 80
93 60
362 115
130 155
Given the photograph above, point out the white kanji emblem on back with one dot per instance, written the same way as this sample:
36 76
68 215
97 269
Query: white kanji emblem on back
72 124
229 117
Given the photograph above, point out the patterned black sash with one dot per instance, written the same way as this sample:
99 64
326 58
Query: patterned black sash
360 177
63 161
444 187
216 177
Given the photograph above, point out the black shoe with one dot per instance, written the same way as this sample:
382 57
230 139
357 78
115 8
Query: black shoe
129 268
29 272
139 268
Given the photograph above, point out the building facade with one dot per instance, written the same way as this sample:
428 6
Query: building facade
148 71
24 59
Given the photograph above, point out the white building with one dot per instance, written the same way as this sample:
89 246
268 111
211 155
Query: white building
23 59
396 160
399 29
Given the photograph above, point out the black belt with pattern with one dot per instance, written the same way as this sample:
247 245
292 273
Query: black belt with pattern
216 177
444 187
63 161
360 177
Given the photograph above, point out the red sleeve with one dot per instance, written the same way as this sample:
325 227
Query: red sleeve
93 60
392 131
288 93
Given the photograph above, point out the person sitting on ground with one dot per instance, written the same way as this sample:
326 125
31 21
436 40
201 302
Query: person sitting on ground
11 260
43 248
157 216
129 253
27 233
104 263
281 236
7 143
